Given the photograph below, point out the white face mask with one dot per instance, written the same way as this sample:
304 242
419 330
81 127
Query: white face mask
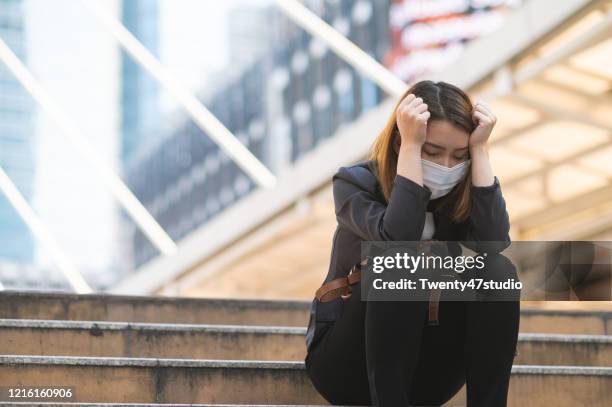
440 179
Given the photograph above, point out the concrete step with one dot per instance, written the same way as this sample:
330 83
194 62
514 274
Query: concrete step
105 307
564 349
44 404
158 309
151 380
122 339
566 321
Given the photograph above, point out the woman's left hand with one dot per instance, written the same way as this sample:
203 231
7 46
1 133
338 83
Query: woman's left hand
484 117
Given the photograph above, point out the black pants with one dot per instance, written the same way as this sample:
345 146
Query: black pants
383 353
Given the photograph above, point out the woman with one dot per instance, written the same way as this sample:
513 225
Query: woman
427 176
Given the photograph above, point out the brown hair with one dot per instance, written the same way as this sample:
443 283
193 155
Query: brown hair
444 102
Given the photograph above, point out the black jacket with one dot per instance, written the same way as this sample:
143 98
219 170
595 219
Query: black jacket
362 214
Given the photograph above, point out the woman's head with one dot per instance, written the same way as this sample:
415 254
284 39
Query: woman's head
448 129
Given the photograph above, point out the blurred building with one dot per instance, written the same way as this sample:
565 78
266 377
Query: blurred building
140 102
295 94
139 90
16 138
251 33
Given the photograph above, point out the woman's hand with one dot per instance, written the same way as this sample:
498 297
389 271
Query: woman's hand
482 173
483 115
411 117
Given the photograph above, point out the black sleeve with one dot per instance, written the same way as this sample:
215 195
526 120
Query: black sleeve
488 220
403 218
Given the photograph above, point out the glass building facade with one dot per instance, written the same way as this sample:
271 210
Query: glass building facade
139 90
140 104
282 106
16 139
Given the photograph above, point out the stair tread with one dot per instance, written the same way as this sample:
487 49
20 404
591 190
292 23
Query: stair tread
153 362
232 328
118 325
242 303
573 338
237 302
29 403
170 362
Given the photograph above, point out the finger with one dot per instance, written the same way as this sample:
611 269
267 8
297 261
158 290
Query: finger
482 118
481 110
407 100
415 102
425 115
485 108
421 108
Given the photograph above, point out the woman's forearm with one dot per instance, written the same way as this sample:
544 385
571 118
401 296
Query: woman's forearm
489 220
482 173
409 162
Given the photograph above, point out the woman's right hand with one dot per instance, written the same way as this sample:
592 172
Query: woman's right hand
411 117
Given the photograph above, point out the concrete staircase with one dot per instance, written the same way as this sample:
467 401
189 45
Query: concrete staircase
124 349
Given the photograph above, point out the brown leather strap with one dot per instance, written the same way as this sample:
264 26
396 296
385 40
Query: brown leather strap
434 302
332 290
354 277
342 287
337 287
